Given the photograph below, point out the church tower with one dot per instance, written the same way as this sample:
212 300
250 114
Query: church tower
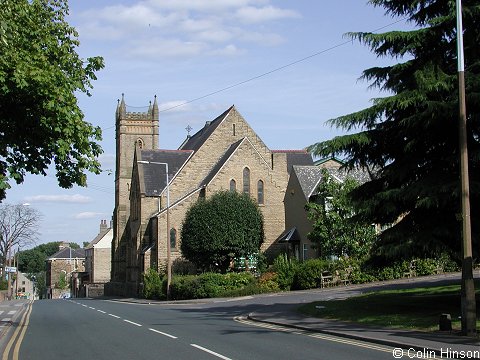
133 129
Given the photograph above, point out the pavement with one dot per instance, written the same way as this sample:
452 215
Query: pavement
444 344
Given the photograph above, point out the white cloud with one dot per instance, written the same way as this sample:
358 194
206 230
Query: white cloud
172 48
229 50
204 5
251 14
154 29
75 199
175 106
87 215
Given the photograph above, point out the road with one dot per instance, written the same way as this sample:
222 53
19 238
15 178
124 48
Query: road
210 329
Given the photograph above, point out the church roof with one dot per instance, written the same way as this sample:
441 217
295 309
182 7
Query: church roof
154 175
196 141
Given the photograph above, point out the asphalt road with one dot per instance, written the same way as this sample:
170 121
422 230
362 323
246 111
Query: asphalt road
210 329
93 329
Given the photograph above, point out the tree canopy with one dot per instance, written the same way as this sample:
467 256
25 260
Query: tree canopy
408 139
32 261
330 212
220 228
40 74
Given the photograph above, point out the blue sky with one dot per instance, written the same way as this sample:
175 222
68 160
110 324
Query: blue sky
182 50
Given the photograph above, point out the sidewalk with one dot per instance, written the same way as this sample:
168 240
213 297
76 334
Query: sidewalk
443 343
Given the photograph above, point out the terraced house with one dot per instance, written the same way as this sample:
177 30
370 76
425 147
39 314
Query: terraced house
226 154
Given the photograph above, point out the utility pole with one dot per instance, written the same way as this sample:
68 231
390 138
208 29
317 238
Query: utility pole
468 306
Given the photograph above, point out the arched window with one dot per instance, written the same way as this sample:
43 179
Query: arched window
173 238
260 192
233 185
140 143
246 180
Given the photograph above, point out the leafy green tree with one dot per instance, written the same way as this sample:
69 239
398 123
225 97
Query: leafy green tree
40 74
220 228
333 231
32 261
408 138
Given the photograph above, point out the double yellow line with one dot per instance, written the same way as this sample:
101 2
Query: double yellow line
18 335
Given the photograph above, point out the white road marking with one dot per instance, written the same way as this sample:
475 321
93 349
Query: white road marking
210 352
101 311
115 316
11 312
131 322
7 319
84 305
162 333
91 308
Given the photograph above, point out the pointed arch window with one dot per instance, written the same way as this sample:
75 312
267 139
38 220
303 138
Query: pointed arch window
233 185
140 143
246 180
173 238
260 192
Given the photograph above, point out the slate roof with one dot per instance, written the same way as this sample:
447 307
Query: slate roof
65 254
308 177
196 141
360 176
289 236
154 175
298 157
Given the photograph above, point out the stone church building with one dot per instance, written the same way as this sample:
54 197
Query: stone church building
226 154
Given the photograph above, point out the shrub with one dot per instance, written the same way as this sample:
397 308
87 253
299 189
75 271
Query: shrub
267 282
308 274
152 285
285 269
208 285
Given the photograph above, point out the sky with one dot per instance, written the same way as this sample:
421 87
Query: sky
285 65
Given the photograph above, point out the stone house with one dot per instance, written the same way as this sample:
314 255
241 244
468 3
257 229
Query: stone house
151 203
69 262
301 189
98 259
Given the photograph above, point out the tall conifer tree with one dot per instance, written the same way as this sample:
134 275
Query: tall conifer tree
408 139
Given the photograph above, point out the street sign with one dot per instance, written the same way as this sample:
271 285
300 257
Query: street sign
10 269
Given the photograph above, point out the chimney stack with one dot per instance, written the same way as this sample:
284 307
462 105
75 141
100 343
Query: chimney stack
103 226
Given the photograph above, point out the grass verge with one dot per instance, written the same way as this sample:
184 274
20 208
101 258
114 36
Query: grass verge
418 308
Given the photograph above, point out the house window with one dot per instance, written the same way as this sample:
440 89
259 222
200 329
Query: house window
260 192
246 180
233 185
173 238
305 251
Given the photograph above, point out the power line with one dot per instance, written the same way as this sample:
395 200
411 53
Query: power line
269 72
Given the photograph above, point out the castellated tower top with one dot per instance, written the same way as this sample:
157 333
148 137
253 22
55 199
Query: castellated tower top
126 112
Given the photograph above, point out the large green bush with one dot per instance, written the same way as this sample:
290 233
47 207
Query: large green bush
309 272
220 228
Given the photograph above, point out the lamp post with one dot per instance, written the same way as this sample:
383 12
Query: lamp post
468 305
169 250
